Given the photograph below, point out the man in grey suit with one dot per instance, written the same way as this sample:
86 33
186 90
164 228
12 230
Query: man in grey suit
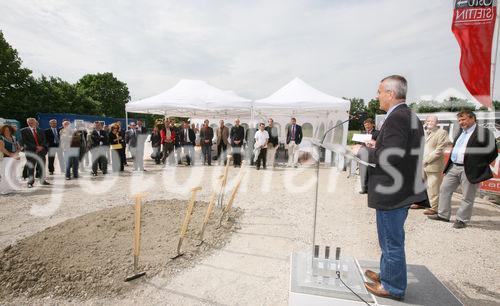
394 184
142 135
474 149
131 140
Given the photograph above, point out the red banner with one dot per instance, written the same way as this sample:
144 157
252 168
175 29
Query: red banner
473 26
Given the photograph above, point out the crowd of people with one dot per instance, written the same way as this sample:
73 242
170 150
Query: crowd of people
93 148
407 158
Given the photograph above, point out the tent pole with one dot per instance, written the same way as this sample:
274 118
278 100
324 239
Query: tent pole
126 118
494 56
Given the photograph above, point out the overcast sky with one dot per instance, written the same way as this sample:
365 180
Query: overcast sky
252 47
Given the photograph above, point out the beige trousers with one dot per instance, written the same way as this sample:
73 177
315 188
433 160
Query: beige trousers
433 181
293 156
271 152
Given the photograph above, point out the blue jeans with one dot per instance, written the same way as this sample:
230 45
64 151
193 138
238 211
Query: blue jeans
391 237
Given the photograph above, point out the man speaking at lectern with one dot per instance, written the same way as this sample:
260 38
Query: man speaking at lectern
393 184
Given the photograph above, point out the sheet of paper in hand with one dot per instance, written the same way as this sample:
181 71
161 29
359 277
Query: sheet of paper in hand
361 137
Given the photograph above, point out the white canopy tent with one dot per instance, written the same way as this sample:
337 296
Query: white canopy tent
193 98
316 111
298 96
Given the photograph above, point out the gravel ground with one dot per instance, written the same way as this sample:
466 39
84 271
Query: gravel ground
253 267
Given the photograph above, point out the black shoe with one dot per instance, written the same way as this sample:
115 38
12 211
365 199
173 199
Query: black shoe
94 174
459 224
105 172
51 172
258 168
438 218
68 178
45 183
363 191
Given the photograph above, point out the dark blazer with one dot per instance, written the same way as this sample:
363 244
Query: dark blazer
298 134
237 133
402 132
99 136
113 139
155 139
50 137
191 137
28 140
131 138
480 152
374 134
273 135
206 133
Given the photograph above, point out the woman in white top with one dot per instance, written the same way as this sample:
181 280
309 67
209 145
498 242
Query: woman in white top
261 140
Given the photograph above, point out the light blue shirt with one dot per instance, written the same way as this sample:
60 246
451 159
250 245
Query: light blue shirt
390 110
457 154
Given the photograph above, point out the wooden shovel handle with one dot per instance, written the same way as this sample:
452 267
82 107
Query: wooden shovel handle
137 225
189 211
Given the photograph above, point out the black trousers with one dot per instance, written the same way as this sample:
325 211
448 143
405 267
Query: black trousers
35 167
221 150
99 159
237 155
123 157
261 158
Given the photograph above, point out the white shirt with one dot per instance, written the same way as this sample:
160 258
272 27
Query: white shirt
457 154
261 138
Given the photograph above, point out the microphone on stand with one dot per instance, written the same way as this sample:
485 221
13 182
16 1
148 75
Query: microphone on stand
362 117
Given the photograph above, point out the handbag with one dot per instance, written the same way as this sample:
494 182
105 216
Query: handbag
116 146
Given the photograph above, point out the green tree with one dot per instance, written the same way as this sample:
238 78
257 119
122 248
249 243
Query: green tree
428 107
109 95
357 106
15 84
454 104
373 109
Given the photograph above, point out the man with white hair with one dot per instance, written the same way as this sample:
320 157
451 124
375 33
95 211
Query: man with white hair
393 184
34 145
436 140
237 135
53 139
272 146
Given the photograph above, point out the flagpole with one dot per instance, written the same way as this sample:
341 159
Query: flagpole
494 56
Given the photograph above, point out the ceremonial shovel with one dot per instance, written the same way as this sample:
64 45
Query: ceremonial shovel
185 223
137 238
210 208
226 209
220 199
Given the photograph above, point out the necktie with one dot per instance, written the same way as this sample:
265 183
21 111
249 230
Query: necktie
293 132
460 142
56 137
186 133
35 135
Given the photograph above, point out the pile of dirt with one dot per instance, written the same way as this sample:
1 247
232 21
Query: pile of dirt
90 256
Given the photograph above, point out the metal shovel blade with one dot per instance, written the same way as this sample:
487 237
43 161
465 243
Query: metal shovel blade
135 276
179 254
